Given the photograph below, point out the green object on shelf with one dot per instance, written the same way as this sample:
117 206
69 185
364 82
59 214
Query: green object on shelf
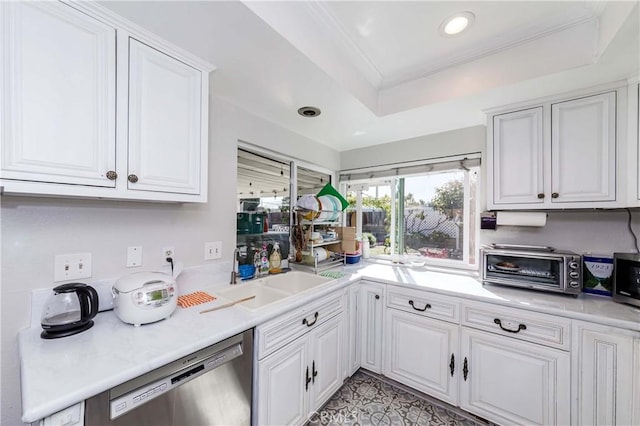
332 274
330 190
250 223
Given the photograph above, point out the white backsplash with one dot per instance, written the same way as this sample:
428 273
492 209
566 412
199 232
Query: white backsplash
190 278
596 231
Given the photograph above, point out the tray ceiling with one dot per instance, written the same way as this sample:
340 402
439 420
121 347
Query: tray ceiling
380 71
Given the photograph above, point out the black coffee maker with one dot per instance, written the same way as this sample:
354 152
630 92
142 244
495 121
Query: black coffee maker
69 310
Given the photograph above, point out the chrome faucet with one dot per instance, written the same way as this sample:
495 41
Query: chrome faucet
234 272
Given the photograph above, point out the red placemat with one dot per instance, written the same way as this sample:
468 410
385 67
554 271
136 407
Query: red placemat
193 299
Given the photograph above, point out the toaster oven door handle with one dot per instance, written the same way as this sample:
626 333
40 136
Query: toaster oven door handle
520 326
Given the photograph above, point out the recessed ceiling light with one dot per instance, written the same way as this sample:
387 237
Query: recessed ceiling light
457 23
309 111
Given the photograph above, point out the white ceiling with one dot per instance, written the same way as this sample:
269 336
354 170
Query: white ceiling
380 71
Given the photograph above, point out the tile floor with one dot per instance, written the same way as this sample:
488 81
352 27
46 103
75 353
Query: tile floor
368 399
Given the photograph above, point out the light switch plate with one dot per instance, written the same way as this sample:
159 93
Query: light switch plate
72 266
213 250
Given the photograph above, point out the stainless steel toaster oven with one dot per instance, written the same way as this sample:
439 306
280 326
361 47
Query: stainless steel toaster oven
533 267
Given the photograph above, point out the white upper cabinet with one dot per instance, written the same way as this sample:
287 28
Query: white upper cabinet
583 149
94 106
517 152
164 122
58 103
560 153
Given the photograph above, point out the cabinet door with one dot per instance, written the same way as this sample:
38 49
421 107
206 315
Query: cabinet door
603 365
372 305
58 103
583 149
517 158
326 364
635 380
164 122
353 341
282 387
513 382
421 353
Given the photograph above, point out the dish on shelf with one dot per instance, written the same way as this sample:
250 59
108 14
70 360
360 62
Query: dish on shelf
507 266
330 208
309 206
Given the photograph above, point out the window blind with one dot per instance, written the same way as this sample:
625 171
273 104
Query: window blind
413 168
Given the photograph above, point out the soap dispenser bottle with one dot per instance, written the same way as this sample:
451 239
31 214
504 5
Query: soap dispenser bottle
275 260
257 262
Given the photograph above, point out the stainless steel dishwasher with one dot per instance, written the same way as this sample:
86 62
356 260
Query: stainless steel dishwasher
209 387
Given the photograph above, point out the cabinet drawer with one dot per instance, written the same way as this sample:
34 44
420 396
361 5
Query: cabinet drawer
282 330
423 303
519 324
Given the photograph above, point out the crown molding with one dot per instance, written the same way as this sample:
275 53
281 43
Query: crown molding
121 24
354 53
362 62
514 39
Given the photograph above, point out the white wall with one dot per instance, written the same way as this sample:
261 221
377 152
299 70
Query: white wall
599 232
454 142
34 229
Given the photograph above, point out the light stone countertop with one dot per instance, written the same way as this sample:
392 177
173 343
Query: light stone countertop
58 373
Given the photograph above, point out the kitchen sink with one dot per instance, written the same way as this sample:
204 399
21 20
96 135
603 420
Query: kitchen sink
271 289
263 295
294 282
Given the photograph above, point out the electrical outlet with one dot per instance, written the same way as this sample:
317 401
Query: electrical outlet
168 252
134 256
213 250
72 266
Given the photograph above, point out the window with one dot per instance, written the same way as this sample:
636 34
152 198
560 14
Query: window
425 211
264 193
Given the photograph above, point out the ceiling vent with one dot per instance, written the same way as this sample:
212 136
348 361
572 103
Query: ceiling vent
309 111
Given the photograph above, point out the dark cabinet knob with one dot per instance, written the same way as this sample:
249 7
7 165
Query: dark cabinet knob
112 175
555 195
377 296
541 195
132 178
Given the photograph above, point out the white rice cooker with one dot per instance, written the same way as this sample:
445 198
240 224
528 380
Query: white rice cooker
144 297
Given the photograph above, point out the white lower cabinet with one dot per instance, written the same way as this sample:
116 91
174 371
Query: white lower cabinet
635 379
283 399
603 368
353 341
508 381
421 353
507 365
297 379
371 306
